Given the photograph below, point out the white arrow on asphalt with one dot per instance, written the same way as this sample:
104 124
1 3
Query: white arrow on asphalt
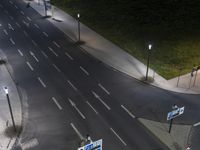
74 105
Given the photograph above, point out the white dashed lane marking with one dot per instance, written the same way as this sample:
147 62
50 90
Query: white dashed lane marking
29 65
20 52
196 124
104 89
69 56
70 83
128 111
56 44
42 83
84 70
57 104
92 107
118 136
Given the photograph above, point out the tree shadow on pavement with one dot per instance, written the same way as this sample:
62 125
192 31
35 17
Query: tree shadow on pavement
10 132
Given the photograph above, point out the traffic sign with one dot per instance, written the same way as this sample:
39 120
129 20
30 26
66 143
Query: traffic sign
175 113
97 145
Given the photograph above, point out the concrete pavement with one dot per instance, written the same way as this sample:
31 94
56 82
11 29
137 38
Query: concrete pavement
7 134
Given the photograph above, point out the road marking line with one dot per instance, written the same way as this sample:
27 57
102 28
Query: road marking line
30 144
11 40
56 68
29 18
45 34
22 12
16 7
43 53
85 71
40 80
77 132
32 54
74 105
196 124
98 97
118 137
10 26
5 31
56 102
103 88
70 57
18 25
25 33
128 111
34 43
56 44
53 51
92 107
29 66
11 2
75 89
36 25
20 52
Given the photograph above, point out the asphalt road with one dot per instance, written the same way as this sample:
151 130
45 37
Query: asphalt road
65 89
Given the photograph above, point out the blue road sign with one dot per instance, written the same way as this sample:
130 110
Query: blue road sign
175 113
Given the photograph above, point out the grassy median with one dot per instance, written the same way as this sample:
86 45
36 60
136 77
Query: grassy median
172 26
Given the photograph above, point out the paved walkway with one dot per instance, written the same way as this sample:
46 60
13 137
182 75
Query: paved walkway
113 55
7 134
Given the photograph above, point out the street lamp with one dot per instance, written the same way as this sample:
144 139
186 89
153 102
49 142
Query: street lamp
11 114
78 18
149 52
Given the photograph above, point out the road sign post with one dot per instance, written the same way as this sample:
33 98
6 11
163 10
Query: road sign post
173 114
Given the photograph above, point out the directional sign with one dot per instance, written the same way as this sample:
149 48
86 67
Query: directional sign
175 113
97 145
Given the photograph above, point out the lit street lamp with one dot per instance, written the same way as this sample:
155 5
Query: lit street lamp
78 18
11 114
149 52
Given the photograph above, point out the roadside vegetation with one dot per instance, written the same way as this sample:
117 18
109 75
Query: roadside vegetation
172 27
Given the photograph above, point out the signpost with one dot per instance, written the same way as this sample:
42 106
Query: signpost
173 114
96 145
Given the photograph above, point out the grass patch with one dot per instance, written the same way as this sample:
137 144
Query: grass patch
172 27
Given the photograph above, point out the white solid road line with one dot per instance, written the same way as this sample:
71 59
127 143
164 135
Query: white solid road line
128 111
103 88
77 132
92 107
11 40
75 89
56 102
34 43
53 51
74 105
69 56
36 25
56 68
18 25
29 65
20 52
25 33
196 124
85 71
43 53
5 31
28 18
45 34
40 80
22 12
56 44
98 97
118 137
30 144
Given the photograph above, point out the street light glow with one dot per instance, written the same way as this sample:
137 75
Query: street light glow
78 15
150 46
6 90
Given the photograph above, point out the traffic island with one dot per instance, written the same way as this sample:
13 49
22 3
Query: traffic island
177 139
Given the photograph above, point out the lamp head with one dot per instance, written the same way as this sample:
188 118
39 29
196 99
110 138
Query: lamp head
78 15
6 90
150 46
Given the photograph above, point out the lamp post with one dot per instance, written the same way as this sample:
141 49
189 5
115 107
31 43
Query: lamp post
78 18
149 52
11 114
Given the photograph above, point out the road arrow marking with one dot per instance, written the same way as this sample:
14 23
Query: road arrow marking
74 105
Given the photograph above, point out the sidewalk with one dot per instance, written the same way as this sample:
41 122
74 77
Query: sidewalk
7 134
110 53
